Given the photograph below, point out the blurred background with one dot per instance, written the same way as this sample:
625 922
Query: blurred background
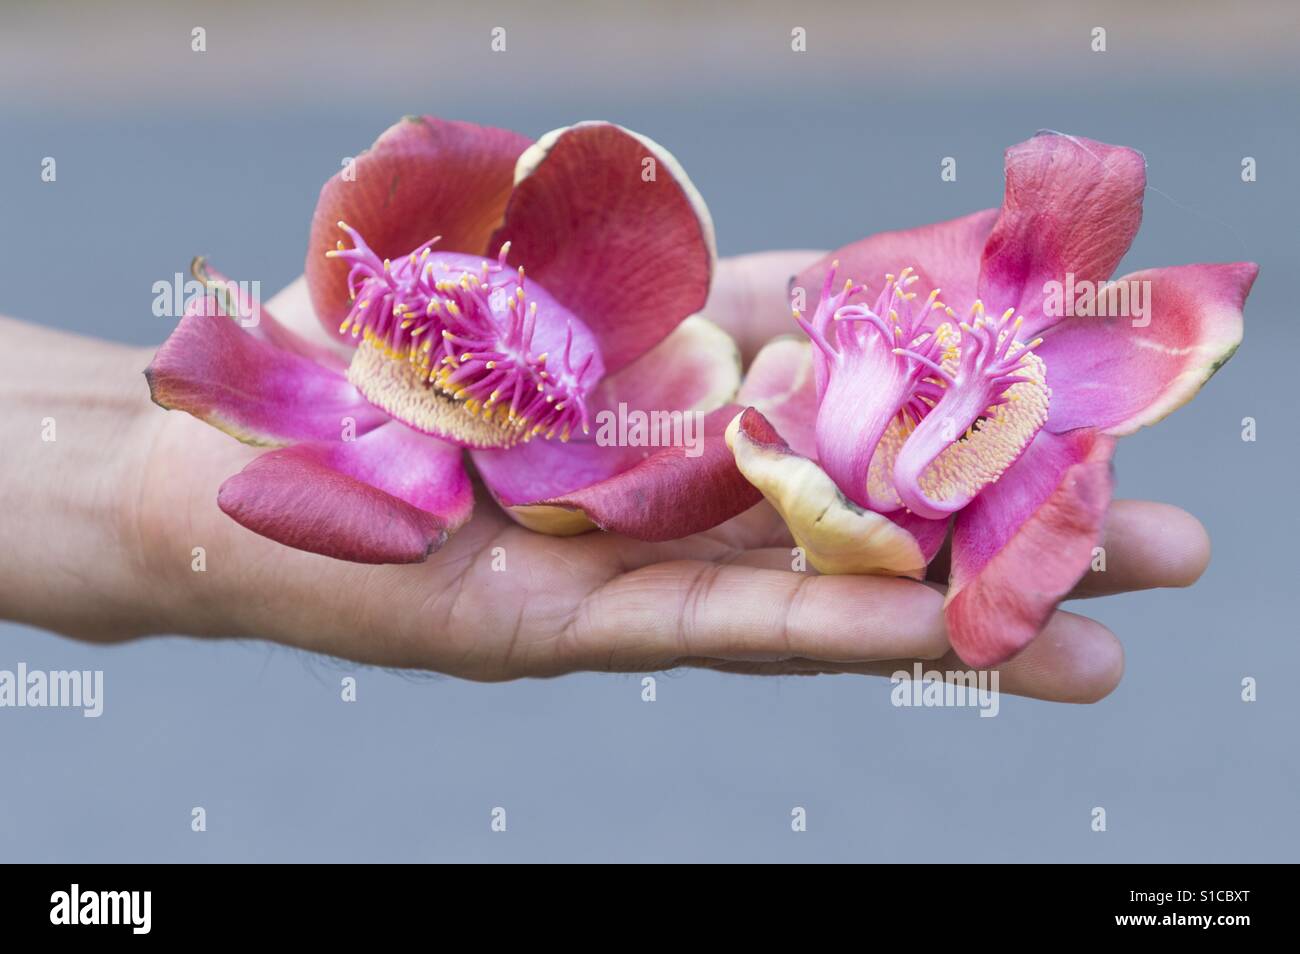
163 152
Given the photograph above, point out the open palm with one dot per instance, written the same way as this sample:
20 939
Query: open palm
501 602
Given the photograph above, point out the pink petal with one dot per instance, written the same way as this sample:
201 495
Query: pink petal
1024 542
650 493
945 255
261 324
781 386
393 496
1071 205
629 254
697 368
540 469
1109 374
423 177
251 389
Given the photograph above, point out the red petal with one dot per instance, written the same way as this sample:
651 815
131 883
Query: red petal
1071 205
628 254
423 177
393 496
1024 542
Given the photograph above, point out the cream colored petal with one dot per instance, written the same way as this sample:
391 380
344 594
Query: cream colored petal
837 536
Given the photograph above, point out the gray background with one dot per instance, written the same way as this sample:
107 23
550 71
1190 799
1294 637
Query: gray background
163 153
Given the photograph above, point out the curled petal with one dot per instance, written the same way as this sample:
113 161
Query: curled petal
609 223
650 493
836 534
1118 374
1024 542
393 496
424 177
1072 207
251 389
966 441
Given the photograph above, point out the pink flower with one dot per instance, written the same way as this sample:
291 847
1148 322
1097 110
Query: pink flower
987 380
497 295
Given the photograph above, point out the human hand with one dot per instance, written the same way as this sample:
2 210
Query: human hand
498 601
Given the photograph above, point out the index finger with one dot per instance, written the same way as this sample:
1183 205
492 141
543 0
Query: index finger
750 297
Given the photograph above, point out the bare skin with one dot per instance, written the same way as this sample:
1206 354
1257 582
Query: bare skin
101 524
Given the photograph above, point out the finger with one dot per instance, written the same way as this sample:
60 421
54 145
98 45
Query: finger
1074 659
772 558
1146 545
759 526
652 617
750 297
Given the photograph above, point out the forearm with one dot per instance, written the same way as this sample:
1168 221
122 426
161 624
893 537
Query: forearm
73 429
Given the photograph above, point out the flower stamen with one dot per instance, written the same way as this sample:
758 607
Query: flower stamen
468 331
994 401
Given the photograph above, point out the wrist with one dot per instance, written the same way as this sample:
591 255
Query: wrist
72 428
